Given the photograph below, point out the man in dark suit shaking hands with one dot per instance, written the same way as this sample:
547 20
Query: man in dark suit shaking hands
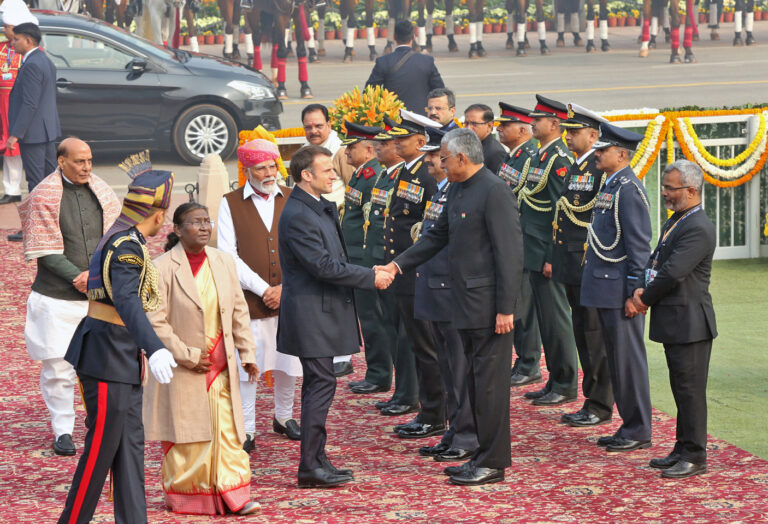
32 115
410 75
318 317
481 227
682 317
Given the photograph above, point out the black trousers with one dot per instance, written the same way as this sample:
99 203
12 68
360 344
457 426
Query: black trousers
401 354
628 364
688 370
39 161
379 334
115 440
453 368
489 357
317 391
596 383
557 333
431 394
527 337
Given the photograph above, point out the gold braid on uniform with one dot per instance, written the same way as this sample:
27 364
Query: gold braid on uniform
149 288
526 195
570 210
416 231
523 177
594 242
342 208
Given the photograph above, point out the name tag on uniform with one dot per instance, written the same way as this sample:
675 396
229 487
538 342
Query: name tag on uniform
650 274
509 174
604 200
410 192
353 196
535 174
581 183
379 196
432 211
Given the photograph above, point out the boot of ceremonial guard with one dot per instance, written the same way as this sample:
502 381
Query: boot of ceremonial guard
105 350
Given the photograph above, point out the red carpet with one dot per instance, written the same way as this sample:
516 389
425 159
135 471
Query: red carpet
557 473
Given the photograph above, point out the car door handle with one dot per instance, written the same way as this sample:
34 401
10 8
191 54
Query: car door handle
63 82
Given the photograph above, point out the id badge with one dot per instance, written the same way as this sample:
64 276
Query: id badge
7 76
650 274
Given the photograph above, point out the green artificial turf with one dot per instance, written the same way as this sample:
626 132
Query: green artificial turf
737 392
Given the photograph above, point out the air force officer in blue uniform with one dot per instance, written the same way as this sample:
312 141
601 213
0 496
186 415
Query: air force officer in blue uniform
618 248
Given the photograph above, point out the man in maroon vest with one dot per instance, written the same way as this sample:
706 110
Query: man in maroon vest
248 220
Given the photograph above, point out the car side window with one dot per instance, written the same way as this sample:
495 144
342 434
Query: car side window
69 51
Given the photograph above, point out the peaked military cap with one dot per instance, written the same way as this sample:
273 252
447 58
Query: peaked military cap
611 135
581 117
550 108
510 113
358 132
384 133
412 124
435 135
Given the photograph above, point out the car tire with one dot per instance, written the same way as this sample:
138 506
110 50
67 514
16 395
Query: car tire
204 129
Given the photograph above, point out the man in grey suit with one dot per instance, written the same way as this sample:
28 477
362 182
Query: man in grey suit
481 227
318 316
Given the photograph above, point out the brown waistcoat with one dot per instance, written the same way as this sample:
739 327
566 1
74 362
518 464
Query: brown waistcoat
256 246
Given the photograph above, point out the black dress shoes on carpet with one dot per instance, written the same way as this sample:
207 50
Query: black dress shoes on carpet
474 476
10 199
431 451
367 387
421 431
532 395
666 462
332 469
605 441
518 379
455 470
322 478
249 445
399 409
342 368
290 430
16 237
64 445
625 444
381 404
453 455
683 469
413 423
583 419
553 399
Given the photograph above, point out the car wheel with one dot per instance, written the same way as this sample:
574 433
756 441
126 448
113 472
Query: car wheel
202 130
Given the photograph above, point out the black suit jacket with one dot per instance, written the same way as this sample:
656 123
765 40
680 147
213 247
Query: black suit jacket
318 317
494 153
32 114
432 297
412 82
681 306
481 227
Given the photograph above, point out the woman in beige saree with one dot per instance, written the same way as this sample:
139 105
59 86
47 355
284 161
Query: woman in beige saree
203 320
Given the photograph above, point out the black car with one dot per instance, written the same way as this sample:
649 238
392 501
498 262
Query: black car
121 92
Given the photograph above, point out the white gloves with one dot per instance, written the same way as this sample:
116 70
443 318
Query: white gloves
160 364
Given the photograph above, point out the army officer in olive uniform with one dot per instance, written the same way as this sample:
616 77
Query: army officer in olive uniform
572 215
543 187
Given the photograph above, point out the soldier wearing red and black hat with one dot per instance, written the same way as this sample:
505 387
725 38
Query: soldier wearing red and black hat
543 187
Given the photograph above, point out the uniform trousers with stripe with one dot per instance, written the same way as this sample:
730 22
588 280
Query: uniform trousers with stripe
115 440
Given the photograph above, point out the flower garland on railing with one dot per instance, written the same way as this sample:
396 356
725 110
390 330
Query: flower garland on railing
670 145
738 159
648 149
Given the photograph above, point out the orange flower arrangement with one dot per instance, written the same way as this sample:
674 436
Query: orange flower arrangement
367 108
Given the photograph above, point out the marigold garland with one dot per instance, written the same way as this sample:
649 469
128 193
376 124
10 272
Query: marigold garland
645 157
670 145
730 162
259 132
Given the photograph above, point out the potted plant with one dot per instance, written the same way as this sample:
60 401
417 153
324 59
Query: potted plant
208 38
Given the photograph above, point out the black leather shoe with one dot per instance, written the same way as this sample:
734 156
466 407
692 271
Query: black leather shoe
332 469
684 469
666 462
342 368
321 478
413 423
16 237
9 199
353 383
586 420
64 445
399 409
518 379
606 441
553 399
531 395
625 444
383 404
367 387
422 431
455 470
431 451
474 476
249 445
567 417
453 455
290 430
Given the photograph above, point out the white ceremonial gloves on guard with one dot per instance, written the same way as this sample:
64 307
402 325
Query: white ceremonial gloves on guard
160 364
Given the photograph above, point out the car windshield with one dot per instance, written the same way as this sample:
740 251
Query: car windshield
142 44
